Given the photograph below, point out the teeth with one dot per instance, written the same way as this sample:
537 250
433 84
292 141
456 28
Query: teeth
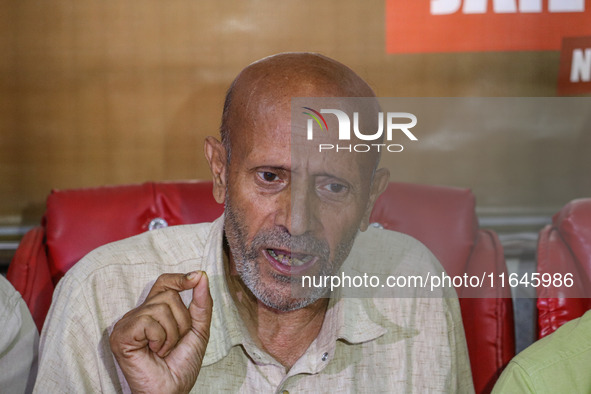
290 261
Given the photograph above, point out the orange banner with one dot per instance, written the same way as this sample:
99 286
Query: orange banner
483 25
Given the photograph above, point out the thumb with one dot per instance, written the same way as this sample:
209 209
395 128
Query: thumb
201 307
189 352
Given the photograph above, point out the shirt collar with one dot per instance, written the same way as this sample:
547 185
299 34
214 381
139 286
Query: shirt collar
227 329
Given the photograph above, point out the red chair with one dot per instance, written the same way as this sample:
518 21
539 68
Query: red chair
564 247
443 218
78 221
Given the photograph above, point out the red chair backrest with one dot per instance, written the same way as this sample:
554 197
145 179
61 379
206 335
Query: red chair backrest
78 221
564 247
444 219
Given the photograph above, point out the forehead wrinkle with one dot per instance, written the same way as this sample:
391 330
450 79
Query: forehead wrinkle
264 89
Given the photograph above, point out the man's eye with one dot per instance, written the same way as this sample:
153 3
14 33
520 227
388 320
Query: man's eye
268 176
335 187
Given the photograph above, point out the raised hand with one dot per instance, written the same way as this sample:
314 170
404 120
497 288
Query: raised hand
160 345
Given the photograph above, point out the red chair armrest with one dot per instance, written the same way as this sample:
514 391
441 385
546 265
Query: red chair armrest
29 274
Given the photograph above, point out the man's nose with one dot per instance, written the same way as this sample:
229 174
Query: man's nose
300 211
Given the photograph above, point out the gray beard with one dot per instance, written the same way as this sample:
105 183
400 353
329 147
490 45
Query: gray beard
247 264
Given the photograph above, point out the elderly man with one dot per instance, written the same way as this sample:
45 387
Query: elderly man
233 322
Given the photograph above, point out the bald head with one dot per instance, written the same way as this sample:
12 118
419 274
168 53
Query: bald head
274 80
303 72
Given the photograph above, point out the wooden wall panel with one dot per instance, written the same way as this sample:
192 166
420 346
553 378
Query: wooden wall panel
95 93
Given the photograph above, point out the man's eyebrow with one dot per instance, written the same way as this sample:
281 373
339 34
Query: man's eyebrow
328 175
335 177
271 167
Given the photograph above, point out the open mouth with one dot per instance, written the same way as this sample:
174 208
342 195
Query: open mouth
289 263
286 258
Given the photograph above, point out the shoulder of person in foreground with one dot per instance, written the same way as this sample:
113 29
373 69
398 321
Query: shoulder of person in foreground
18 342
74 352
433 314
556 363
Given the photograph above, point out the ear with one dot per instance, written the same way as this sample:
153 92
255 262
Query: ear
379 184
216 157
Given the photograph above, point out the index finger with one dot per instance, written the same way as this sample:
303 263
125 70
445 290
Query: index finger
176 282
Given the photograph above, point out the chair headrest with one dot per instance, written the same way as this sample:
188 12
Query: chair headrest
573 222
443 218
80 220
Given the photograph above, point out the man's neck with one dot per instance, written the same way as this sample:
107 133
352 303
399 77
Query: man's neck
284 335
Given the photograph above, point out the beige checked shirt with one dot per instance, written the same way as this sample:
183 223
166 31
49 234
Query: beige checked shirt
19 340
365 345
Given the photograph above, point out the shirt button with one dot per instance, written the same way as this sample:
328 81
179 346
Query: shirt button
325 357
